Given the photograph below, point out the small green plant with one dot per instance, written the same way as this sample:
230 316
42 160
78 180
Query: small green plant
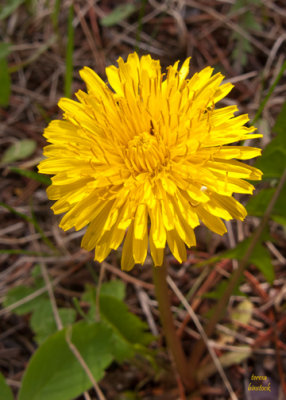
246 21
42 320
53 372
140 160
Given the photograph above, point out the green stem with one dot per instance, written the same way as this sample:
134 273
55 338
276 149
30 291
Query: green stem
233 282
173 342
69 54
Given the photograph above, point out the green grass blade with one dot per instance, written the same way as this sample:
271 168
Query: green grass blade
5 80
69 54
55 15
32 175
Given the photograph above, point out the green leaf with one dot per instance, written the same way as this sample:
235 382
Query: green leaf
273 162
129 331
5 80
32 175
4 50
273 159
238 4
20 292
43 321
243 312
220 289
250 22
19 150
260 258
9 7
5 391
129 334
280 124
257 205
54 373
115 288
118 14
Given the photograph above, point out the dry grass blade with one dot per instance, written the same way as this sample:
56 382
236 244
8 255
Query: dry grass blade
198 325
208 32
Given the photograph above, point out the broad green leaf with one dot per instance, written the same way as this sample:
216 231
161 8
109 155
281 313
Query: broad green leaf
129 331
21 292
122 350
273 162
9 7
89 296
273 159
5 80
128 325
32 175
54 373
5 391
113 288
43 321
118 14
260 258
19 150
257 205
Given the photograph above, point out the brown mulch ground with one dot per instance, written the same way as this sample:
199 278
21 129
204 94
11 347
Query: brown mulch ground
213 33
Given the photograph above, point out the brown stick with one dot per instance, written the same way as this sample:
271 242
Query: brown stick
173 342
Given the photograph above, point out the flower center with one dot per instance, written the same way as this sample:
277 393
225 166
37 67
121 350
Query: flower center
144 153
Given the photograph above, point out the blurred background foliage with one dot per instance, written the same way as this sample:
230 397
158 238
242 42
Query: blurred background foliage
63 316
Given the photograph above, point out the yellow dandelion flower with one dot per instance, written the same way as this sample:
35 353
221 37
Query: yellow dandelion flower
147 149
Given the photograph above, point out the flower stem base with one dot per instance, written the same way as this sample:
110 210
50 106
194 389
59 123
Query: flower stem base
173 341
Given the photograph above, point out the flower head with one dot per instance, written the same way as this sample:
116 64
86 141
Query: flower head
147 147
